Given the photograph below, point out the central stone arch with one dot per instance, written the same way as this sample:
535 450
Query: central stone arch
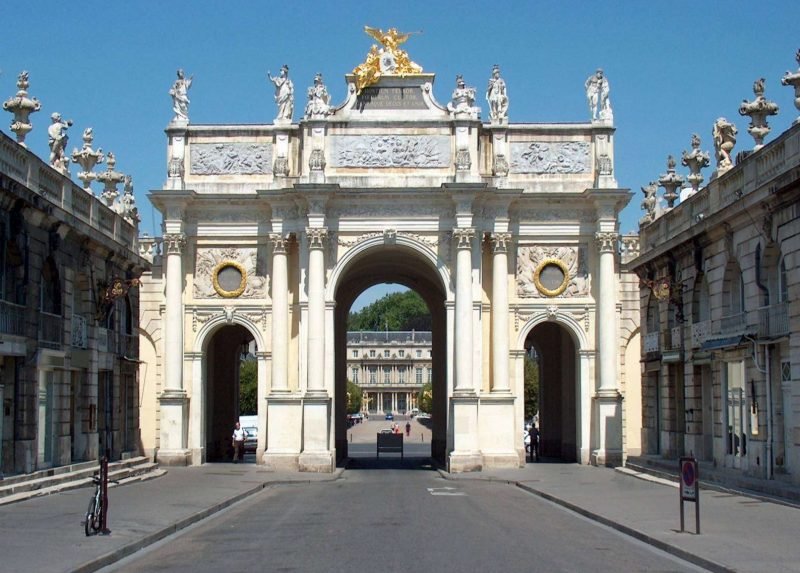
404 261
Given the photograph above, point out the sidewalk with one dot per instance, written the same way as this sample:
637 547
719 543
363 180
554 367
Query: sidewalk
45 534
738 533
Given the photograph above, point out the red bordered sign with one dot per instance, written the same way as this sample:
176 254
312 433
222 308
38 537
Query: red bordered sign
689 479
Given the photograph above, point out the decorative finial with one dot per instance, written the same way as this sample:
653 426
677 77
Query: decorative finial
758 110
671 181
695 161
22 106
110 178
87 158
793 79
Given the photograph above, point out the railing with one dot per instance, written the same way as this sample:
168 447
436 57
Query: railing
105 339
773 320
12 318
51 330
700 332
675 337
732 323
127 345
79 331
651 342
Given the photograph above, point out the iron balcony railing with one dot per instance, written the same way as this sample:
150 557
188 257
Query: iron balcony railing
651 342
12 318
733 323
773 320
127 345
51 330
700 331
80 338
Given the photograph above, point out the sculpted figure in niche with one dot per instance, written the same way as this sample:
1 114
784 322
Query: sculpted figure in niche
597 91
319 100
463 100
284 94
57 140
724 134
497 97
180 97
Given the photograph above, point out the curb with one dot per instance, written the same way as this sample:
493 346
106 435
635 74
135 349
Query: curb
149 539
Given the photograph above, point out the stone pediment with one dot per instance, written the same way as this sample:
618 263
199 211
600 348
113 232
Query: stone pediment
392 98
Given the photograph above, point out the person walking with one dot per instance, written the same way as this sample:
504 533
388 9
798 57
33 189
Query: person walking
239 435
534 433
408 429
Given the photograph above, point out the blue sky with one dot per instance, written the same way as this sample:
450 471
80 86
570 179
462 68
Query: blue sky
674 67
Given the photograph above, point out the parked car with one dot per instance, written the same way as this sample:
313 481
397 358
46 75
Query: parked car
251 440
389 416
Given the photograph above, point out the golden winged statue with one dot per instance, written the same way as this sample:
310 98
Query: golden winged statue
386 61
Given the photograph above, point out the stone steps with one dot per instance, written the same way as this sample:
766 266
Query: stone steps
74 476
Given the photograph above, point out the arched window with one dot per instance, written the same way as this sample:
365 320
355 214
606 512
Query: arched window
653 322
733 290
50 291
701 309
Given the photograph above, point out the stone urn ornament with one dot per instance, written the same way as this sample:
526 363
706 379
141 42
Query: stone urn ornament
793 79
758 110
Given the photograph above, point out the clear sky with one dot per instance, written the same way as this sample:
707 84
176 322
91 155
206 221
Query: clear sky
673 67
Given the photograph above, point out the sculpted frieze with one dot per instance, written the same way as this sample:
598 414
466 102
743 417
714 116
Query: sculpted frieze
231 158
208 260
550 157
572 260
380 151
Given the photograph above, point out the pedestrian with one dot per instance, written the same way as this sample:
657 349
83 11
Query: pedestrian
408 429
534 433
239 435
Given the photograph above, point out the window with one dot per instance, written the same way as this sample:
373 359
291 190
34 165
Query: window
430 374
386 354
430 353
355 353
401 353
372 354
419 376
50 291
735 409
419 353
783 286
387 375
373 374
354 375
401 374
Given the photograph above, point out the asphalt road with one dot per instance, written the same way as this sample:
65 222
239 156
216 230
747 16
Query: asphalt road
403 518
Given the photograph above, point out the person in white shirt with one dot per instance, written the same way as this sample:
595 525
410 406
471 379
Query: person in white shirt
239 435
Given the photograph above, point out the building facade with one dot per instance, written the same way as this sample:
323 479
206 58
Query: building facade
509 232
68 313
390 368
719 301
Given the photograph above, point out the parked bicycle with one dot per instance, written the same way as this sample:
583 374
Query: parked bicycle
95 513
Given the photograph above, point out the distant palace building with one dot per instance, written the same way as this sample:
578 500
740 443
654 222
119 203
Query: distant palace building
390 368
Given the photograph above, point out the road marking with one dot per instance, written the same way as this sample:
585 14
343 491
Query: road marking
445 491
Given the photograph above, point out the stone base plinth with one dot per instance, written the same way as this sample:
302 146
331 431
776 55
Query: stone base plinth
502 461
281 462
609 458
464 462
174 457
317 462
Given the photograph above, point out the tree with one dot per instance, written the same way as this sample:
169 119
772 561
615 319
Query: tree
395 311
354 398
248 388
425 398
531 387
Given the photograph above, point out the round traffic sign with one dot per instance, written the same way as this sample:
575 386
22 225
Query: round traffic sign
688 474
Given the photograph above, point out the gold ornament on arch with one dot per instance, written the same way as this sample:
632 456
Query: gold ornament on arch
220 290
389 60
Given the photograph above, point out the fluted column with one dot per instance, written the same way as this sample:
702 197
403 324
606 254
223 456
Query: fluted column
463 325
500 382
173 324
316 308
280 314
607 342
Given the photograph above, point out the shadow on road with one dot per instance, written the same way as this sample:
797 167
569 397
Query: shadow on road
390 462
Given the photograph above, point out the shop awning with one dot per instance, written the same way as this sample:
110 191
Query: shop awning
717 343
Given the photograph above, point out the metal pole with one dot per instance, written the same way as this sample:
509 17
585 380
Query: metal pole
104 496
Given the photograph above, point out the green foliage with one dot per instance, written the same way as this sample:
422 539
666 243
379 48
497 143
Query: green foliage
396 311
354 398
248 388
425 398
531 387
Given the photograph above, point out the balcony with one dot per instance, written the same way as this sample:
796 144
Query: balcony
733 323
127 345
651 342
700 331
79 331
12 318
773 320
675 341
51 330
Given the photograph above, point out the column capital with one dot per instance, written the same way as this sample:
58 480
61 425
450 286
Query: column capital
500 242
316 237
174 243
606 242
464 237
279 243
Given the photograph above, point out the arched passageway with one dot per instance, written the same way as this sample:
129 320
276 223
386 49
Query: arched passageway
558 387
402 265
222 361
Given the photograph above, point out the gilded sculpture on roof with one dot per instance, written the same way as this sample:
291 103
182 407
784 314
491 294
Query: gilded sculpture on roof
388 60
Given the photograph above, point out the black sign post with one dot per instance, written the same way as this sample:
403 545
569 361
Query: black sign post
690 488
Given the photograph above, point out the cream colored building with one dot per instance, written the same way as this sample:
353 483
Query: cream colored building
509 232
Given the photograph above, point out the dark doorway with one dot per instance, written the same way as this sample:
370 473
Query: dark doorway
557 391
223 358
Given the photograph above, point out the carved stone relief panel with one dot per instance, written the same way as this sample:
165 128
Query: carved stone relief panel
231 158
376 151
210 273
550 271
550 157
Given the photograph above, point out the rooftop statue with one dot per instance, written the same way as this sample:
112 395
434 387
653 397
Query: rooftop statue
497 97
597 91
724 134
463 100
319 100
389 60
57 138
284 94
180 97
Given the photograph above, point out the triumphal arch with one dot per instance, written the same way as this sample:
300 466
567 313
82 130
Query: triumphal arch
509 232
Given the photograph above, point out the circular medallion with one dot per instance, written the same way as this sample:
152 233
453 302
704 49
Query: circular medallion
551 277
229 279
